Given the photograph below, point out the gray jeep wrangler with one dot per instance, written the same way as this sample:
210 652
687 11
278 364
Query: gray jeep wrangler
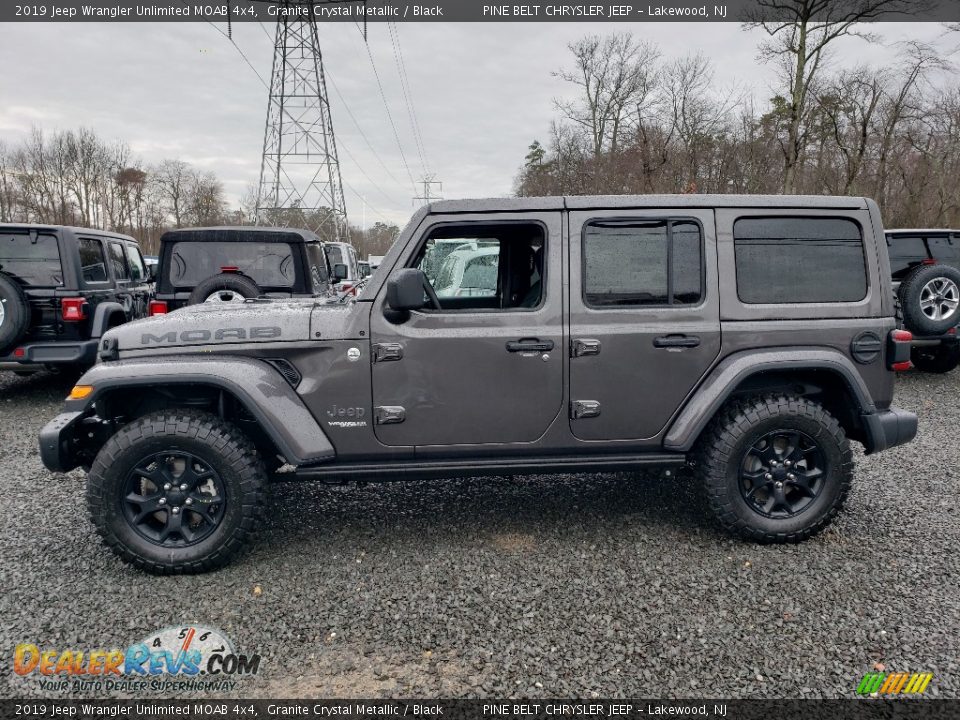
750 338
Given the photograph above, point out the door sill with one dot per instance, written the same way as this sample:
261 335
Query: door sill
539 465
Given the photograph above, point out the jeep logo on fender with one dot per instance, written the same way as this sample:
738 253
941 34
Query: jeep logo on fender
199 336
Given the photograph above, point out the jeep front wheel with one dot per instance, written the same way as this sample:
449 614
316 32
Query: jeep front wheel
177 491
775 469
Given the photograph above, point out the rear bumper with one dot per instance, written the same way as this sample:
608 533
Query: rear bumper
38 355
56 441
889 428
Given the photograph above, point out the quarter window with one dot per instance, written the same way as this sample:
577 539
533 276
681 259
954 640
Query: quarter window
799 260
642 263
118 261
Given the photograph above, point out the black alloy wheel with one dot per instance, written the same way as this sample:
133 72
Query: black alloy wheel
174 499
782 473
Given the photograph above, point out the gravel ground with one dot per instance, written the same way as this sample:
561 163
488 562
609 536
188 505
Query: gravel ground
600 585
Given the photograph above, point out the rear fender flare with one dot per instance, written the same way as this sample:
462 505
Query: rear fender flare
105 312
720 384
255 384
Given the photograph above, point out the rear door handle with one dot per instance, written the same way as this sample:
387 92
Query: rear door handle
529 345
676 341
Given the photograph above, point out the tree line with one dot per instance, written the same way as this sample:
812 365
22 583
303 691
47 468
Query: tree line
640 123
75 177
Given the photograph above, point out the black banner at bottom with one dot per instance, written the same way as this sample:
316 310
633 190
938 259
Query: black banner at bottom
628 709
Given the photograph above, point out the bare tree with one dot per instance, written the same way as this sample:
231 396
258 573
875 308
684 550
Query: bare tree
614 74
800 45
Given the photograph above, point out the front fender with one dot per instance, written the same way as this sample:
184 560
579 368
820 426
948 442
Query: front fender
256 385
733 370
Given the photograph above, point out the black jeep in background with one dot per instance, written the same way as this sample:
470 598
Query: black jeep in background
61 289
234 264
925 264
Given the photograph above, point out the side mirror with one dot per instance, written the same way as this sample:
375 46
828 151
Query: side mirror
405 290
340 272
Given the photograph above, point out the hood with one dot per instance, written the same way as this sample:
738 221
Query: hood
206 324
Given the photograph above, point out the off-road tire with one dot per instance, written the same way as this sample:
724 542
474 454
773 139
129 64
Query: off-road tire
239 284
726 441
940 359
217 442
16 313
910 292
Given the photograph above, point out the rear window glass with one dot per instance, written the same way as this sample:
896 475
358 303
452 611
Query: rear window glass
334 256
799 260
269 265
32 261
906 246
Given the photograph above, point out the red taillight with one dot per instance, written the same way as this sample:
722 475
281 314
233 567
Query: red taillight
901 366
229 269
19 352
952 331
929 261
157 307
73 309
902 336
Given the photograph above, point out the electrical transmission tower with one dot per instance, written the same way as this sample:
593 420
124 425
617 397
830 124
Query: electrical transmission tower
300 174
427 181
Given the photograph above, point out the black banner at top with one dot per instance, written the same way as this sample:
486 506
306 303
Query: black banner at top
480 10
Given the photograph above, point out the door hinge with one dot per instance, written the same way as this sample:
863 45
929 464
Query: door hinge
584 346
389 414
384 352
580 409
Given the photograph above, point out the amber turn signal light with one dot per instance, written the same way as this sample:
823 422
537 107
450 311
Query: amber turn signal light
79 392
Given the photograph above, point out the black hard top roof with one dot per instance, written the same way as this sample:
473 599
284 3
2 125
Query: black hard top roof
70 228
240 234
596 202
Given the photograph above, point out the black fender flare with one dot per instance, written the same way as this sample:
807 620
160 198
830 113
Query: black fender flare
102 315
258 386
714 391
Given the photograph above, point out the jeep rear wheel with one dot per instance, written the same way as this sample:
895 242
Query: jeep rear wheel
224 288
176 492
14 313
775 468
930 296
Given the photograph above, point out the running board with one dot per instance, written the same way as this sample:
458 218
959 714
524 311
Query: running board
478 467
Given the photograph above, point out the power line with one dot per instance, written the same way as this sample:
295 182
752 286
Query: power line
393 125
407 94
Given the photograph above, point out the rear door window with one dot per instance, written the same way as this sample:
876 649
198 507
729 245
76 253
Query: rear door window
31 260
93 263
783 260
267 264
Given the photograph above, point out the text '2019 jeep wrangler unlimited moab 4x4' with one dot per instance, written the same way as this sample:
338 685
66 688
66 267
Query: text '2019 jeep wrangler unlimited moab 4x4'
752 337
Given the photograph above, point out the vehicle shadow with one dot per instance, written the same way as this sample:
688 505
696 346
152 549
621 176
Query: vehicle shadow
303 513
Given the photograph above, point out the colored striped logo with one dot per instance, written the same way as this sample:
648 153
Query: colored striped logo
894 683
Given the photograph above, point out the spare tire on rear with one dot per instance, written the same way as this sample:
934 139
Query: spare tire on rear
930 296
14 313
224 288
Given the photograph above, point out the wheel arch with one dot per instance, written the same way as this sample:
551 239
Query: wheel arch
132 388
826 375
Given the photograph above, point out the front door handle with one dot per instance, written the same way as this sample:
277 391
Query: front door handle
676 341
529 345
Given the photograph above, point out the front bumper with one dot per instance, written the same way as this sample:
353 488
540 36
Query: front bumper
56 442
889 428
39 355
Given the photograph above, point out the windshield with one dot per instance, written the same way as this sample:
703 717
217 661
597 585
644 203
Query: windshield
268 265
33 261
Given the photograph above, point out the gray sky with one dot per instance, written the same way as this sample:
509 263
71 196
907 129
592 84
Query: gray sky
482 93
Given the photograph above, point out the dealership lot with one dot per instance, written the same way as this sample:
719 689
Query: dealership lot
571 586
